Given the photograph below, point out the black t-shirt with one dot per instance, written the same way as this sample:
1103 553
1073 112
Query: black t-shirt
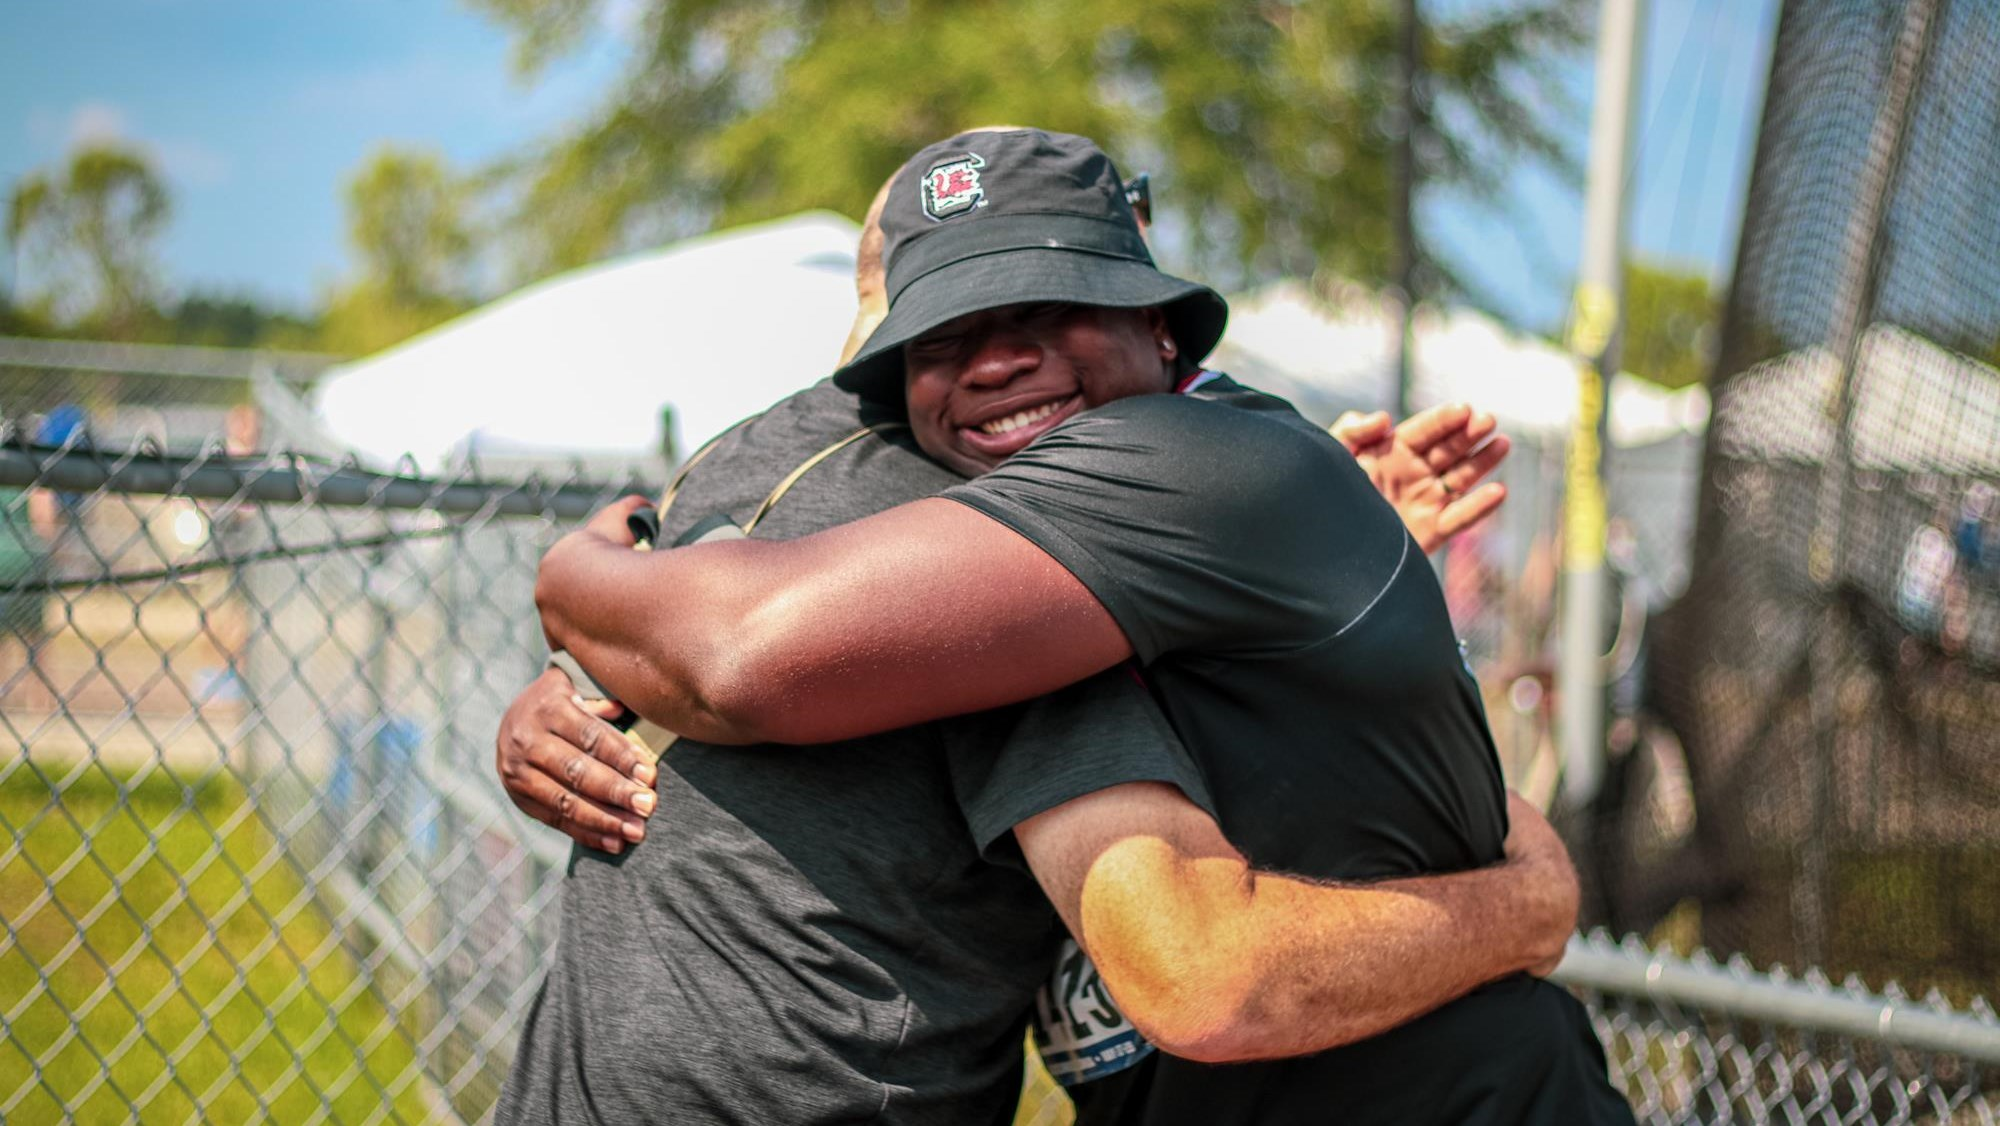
1293 633
819 935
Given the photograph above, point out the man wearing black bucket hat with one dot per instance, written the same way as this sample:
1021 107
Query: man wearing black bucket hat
1112 550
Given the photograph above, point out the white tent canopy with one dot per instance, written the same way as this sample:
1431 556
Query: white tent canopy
719 327
584 364
1341 355
1916 408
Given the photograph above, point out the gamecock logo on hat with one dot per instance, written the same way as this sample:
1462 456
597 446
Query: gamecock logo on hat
952 186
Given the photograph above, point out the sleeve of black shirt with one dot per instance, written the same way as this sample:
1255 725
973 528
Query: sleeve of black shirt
1199 525
1012 763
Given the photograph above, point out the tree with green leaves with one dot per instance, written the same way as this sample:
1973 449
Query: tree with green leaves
409 221
1671 319
87 232
236 320
1270 127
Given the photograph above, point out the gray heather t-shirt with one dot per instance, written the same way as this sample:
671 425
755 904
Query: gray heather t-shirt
828 934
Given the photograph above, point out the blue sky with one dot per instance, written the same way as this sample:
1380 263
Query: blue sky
259 111
1702 71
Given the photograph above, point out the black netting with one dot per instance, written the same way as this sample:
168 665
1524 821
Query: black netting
1833 671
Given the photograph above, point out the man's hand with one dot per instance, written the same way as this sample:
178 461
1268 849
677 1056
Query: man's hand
611 521
566 767
1533 846
1430 467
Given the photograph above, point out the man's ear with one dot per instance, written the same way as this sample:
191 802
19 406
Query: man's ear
1164 345
1163 334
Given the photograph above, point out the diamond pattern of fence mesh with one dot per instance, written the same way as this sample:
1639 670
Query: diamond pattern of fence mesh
255 866
1697 1041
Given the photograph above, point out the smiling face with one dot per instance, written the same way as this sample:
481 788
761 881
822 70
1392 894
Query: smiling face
981 387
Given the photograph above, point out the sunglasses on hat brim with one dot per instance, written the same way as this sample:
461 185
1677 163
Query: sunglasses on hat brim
1139 193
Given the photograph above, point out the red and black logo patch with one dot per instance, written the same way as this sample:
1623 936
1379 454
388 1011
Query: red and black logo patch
952 187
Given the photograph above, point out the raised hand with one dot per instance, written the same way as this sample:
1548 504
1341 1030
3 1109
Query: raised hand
1430 467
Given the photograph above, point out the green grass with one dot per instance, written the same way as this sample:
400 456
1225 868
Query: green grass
1920 915
112 983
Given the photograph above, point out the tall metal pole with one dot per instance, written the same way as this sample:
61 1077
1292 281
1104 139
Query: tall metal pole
1406 206
1593 337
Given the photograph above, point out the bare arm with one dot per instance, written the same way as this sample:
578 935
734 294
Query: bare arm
1216 962
924 611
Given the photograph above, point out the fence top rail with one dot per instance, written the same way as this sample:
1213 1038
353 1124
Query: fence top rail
282 478
1812 1003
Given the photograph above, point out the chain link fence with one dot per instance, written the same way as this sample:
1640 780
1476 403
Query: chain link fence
254 864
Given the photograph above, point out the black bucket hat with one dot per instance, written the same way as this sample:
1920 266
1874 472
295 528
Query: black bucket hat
987 219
